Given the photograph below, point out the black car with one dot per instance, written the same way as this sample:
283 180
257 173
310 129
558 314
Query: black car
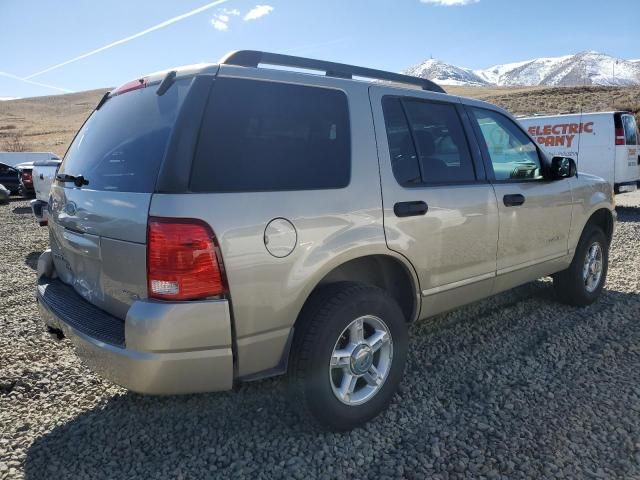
10 178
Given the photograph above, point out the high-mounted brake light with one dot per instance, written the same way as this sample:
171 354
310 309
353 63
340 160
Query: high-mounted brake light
182 262
130 86
620 138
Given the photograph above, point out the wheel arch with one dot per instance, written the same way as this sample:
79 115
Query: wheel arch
603 219
383 271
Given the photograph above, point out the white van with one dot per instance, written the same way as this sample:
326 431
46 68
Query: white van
603 143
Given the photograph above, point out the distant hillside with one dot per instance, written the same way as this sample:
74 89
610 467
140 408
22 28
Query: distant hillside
46 123
49 123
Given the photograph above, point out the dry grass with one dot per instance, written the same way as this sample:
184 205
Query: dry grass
551 100
46 123
49 123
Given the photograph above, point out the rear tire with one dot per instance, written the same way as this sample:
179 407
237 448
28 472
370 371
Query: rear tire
581 284
348 355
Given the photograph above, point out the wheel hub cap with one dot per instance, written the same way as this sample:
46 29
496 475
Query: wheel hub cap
361 359
593 266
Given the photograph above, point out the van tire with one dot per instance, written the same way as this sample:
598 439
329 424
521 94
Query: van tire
570 285
324 323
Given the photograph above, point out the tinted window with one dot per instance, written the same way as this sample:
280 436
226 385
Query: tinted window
513 155
121 146
630 130
433 150
401 149
440 142
272 136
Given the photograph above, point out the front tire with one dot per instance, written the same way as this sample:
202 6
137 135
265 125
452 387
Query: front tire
581 284
348 355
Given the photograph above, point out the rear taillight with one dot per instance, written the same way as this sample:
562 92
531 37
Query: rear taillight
182 260
620 139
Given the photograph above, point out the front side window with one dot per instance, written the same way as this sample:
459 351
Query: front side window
630 130
268 136
427 144
513 155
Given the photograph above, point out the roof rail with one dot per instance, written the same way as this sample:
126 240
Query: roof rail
253 58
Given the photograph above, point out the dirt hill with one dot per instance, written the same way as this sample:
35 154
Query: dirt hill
49 123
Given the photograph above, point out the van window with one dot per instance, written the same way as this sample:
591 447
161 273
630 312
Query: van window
630 130
121 146
433 150
262 136
513 155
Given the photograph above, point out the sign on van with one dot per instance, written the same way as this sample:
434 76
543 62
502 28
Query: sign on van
559 134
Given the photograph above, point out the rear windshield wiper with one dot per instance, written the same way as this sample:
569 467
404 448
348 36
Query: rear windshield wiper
78 180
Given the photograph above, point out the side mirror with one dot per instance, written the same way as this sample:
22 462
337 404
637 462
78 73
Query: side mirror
563 167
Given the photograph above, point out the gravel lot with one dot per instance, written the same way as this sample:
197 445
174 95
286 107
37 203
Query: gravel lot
515 386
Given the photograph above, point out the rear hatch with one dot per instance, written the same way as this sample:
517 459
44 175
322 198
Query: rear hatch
100 199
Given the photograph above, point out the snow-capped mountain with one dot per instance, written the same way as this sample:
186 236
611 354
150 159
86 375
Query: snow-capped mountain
445 74
584 68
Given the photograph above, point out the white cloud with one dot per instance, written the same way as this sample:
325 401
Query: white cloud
228 11
220 20
450 3
219 24
257 12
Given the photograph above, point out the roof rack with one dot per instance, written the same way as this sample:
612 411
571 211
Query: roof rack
253 58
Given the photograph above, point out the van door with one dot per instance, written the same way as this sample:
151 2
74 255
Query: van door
627 154
439 210
535 214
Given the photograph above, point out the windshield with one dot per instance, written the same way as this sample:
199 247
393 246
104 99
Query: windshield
122 144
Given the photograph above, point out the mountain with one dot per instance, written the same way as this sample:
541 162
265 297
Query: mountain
446 74
584 68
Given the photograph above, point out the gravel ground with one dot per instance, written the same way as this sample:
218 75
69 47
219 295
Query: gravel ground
512 387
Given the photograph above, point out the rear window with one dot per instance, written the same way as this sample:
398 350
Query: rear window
630 130
121 146
265 136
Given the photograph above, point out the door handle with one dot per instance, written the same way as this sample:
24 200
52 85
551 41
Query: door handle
513 200
410 209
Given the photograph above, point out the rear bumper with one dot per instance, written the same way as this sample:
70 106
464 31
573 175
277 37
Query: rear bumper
625 187
160 348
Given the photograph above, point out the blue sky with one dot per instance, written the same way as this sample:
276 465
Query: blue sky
389 34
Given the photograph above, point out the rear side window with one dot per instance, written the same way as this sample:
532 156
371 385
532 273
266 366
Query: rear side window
630 130
265 136
427 144
121 146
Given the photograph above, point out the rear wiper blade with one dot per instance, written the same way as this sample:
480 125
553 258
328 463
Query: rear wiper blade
78 180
